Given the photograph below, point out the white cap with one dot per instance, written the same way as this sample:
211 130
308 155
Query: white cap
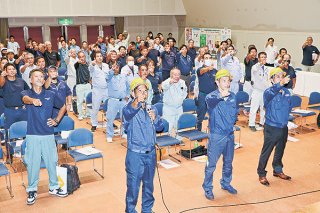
10 51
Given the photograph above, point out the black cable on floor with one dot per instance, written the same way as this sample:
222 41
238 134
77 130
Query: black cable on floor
250 203
164 203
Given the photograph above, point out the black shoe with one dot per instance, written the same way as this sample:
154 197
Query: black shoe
115 126
31 197
93 128
253 128
58 192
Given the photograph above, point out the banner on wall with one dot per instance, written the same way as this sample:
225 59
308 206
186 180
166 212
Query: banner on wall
206 36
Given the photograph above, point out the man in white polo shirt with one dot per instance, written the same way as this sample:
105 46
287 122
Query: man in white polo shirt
272 52
13 45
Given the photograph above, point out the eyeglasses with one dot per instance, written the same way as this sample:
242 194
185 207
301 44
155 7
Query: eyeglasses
287 61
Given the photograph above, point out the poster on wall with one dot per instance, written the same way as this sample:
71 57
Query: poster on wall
206 36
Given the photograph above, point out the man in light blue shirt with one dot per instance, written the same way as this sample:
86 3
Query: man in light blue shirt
119 93
74 45
98 73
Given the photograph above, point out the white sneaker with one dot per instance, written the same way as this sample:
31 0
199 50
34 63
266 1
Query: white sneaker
80 118
109 140
259 127
58 192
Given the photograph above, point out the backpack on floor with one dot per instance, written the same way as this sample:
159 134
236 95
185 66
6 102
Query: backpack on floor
74 107
318 120
73 181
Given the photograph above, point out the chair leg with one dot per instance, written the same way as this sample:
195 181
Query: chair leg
94 169
9 187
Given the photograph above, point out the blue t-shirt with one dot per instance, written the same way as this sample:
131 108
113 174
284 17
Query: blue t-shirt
168 60
153 54
12 91
184 63
207 81
38 115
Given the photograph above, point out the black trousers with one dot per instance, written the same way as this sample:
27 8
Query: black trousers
273 137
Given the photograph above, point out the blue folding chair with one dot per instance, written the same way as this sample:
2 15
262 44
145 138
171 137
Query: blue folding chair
189 105
66 124
242 100
166 140
298 69
1 106
296 104
2 130
4 171
79 138
187 129
314 99
22 161
193 72
17 131
159 107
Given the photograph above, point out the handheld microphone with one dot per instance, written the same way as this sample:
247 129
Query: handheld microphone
148 108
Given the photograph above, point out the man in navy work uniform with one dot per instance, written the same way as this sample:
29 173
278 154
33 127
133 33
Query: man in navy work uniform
278 106
63 92
141 124
223 114
12 86
40 143
206 76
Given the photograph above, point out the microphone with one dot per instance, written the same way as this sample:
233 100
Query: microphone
148 108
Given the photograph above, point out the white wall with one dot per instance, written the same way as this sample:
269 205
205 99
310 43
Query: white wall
141 25
111 8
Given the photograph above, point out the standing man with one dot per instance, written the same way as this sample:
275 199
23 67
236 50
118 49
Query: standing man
50 56
13 45
278 106
184 64
232 64
14 109
168 59
192 52
310 54
289 70
141 125
63 92
70 60
83 85
206 77
130 70
250 60
27 67
40 139
272 52
174 92
103 46
119 93
98 72
260 82
73 45
222 117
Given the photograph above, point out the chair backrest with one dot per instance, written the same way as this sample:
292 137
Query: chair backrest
159 107
66 124
80 137
192 86
242 97
165 125
23 147
2 121
193 77
1 153
89 98
187 121
18 130
314 98
189 105
296 101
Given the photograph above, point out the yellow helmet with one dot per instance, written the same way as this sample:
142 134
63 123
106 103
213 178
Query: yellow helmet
137 82
223 73
275 71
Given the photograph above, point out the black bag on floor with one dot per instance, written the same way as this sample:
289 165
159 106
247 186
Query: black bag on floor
198 151
73 181
318 120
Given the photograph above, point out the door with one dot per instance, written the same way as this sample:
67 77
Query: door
36 34
92 34
18 34
55 32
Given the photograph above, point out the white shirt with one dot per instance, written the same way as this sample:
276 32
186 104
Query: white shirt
131 73
14 46
25 74
113 47
271 53
71 70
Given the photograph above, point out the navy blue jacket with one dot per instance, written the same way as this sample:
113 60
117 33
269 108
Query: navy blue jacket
278 105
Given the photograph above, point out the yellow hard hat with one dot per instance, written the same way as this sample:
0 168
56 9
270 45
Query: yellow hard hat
275 71
223 73
137 82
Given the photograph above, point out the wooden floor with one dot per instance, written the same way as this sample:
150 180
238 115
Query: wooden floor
182 186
